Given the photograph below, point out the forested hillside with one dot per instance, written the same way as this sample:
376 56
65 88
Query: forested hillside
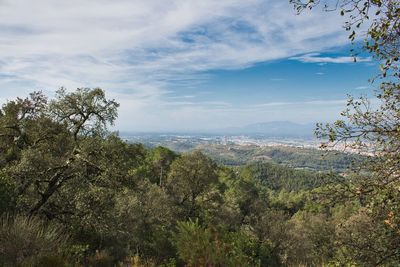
301 158
73 194
234 154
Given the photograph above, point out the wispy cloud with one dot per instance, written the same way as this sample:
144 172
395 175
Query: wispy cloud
138 50
317 58
362 87
53 43
181 97
276 79
303 103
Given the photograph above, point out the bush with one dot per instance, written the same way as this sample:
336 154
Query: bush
51 261
101 259
200 246
27 240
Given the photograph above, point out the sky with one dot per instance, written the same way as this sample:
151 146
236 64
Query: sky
184 65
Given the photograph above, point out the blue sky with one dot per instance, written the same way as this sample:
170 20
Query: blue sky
181 65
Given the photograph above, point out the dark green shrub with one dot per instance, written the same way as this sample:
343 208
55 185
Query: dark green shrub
51 261
26 240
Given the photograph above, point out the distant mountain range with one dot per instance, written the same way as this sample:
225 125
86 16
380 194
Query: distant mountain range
273 129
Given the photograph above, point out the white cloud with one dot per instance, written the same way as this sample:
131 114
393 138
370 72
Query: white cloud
138 49
340 102
277 79
362 87
316 58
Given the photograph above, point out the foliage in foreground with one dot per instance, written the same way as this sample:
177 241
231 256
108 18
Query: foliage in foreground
372 129
75 195
29 241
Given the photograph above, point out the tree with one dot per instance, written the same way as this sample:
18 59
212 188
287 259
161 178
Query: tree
199 246
162 159
85 111
372 130
367 242
16 125
44 142
190 182
146 217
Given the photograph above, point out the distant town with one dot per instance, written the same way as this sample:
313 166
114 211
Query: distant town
192 140
185 142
